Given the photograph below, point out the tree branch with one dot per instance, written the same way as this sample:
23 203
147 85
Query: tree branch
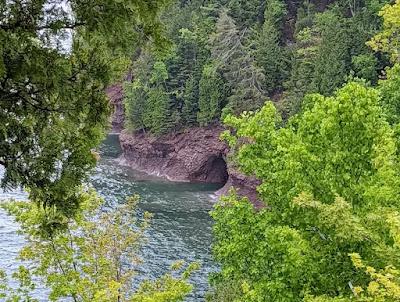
53 26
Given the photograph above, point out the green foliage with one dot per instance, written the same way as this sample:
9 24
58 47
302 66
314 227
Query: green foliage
333 55
245 12
284 50
305 16
365 66
211 94
329 182
147 101
238 66
159 74
270 55
330 48
274 13
300 80
55 62
191 99
91 258
160 110
172 100
167 288
135 104
303 64
388 39
384 285
390 94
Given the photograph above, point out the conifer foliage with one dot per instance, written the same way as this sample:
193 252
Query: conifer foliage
56 59
259 49
238 66
326 150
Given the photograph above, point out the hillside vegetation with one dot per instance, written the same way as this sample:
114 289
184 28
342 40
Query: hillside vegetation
231 56
309 93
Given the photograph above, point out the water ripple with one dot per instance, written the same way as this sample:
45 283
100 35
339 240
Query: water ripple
180 229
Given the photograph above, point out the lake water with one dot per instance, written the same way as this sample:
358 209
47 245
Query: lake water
180 228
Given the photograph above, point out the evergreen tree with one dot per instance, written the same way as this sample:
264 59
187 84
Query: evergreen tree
237 65
158 107
275 12
193 23
245 12
158 111
269 53
56 58
333 57
365 66
305 16
211 95
182 63
300 80
191 99
257 59
135 102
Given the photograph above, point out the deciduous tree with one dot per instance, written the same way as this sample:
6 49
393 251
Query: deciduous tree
92 258
329 183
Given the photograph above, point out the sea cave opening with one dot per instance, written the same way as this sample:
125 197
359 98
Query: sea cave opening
215 170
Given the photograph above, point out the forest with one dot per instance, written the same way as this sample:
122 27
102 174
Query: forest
227 57
309 96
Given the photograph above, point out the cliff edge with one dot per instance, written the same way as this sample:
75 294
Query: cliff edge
192 155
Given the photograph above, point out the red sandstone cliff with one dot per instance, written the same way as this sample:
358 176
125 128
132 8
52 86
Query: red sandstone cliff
194 155
244 185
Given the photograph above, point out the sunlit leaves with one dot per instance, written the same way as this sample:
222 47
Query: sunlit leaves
329 182
388 39
92 258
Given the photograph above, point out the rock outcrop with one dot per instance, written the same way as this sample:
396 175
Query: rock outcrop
245 186
193 155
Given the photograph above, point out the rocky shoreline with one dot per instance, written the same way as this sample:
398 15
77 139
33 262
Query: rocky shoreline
193 155
245 186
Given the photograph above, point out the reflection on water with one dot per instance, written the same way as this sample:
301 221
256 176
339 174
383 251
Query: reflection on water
180 229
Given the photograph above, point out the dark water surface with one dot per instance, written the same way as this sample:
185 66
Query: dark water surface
180 228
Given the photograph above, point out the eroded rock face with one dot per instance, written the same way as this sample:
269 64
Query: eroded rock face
195 155
246 186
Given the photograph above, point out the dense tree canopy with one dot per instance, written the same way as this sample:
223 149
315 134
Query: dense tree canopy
326 149
56 58
330 182
329 229
388 39
259 49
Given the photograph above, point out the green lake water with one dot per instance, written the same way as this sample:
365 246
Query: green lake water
180 228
